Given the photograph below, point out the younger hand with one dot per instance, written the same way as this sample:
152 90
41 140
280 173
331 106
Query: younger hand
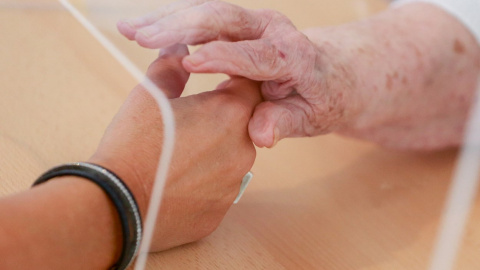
212 150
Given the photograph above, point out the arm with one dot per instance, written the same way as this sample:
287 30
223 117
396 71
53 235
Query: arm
416 69
403 78
69 223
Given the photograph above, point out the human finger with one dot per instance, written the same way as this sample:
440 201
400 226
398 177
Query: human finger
129 27
212 20
248 91
254 59
275 120
273 90
167 72
208 166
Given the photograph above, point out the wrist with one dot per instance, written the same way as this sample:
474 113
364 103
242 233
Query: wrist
119 194
129 175
406 60
131 146
337 75
99 230
71 224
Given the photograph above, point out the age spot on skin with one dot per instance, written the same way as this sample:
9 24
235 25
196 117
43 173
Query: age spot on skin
429 81
458 47
417 52
389 83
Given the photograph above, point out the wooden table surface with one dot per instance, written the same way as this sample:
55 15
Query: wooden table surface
318 203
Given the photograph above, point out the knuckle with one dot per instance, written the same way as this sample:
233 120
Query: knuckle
268 90
273 55
217 6
315 122
273 15
280 17
268 58
219 9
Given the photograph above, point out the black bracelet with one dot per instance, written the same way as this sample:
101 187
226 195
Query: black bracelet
121 197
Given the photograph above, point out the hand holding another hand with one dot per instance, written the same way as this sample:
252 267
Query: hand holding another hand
212 150
384 79
261 45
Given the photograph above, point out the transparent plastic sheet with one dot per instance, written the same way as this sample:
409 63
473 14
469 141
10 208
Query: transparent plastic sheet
104 14
168 138
99 17
461 197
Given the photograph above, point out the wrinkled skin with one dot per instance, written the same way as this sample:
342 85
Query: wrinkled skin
212 151
403 78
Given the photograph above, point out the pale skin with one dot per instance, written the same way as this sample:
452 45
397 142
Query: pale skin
404 78
69 223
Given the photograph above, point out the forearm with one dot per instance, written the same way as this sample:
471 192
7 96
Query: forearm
413 72
66 223
69 223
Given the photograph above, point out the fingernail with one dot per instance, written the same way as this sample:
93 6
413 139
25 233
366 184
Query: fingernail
276 136
128 22
139 21
195 59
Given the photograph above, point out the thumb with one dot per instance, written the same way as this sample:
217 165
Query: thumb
275 120
167 72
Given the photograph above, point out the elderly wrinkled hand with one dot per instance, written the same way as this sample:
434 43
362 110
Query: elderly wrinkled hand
403 78
262 45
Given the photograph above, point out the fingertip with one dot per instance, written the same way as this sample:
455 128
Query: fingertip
262 140
273 121
126 29
193 61
261 132
167 73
